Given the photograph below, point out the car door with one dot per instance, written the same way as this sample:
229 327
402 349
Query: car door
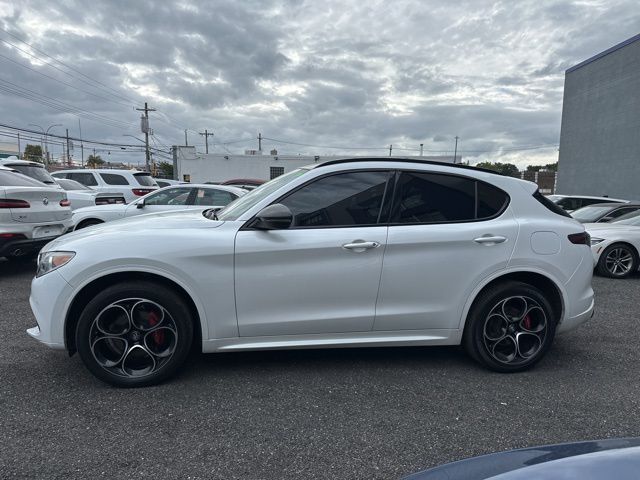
322 274
446 234
177 198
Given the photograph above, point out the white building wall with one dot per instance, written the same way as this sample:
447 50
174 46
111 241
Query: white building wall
198 167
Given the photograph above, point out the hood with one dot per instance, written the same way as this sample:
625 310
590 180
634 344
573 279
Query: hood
610 227
180 220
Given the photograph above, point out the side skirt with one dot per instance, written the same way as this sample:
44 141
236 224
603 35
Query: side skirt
335 340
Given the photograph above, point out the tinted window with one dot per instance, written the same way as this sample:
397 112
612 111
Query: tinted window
620 212
11 179
170 196
71 184
570 203
114 179
434 198
491 200
145 179
34 171
549 204
162 184
214 198
353 198
84 178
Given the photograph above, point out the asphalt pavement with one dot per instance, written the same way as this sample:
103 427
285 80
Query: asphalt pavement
353 413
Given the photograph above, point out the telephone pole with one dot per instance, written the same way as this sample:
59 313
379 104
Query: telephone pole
144 126
186 141
259 142
81 145
68 152
206 134
421 146
455 152
390 149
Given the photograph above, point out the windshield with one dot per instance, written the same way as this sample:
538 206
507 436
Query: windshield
235 209
39 173
632 218
13 179
71 184
590 213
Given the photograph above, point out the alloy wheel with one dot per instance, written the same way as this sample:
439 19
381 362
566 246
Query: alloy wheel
134 337
619 261
515 330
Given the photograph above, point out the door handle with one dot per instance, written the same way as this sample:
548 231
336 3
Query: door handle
360 245
490 239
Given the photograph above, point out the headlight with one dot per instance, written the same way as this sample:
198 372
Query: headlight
596 240
49 261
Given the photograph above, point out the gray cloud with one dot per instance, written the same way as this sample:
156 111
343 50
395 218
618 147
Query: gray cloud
326 73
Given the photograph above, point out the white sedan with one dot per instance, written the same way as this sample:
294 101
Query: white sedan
348 253
181 197
615 246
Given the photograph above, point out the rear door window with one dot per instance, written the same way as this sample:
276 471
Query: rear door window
85 178
170 196
211 197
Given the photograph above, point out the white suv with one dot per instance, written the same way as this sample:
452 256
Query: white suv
132 184
349 253
31 214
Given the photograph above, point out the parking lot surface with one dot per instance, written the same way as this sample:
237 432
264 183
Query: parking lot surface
357 413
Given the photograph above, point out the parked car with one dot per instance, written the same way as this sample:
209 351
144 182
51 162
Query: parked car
604 212
31 214
616 246
617 458
34 170
470 257
181 197
82 196
164 182
132 184
574 202
246 183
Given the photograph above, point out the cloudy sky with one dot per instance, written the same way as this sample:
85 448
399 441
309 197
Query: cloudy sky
347 74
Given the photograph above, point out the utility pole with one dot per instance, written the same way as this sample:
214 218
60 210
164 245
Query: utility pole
186 141
206 134
81 145
455 152
144 126
68 152
421 145
259 142
390 149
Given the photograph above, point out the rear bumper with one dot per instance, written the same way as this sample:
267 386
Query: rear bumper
22 246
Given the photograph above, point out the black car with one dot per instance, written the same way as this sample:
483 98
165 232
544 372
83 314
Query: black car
617 459
604 212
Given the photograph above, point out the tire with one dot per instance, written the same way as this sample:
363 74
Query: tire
134 334
619 260
510 327
88 223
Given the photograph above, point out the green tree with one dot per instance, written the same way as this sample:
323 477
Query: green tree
165 169
33 153
94 161
504 168
549 166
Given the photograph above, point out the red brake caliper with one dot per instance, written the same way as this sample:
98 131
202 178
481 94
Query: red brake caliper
158 335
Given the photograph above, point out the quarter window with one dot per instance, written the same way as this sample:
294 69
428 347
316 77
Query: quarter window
439 198
114 179
345 199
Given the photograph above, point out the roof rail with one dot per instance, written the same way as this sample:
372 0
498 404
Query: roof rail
405 159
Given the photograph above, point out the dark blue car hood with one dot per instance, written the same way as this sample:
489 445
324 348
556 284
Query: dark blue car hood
617 459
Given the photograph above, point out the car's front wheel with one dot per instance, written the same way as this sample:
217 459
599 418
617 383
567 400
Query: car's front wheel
617 261
510 327
134 334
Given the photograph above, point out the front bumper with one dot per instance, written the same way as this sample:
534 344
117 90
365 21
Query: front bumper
49 297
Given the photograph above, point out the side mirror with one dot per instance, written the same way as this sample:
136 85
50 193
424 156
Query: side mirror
273 217
140 204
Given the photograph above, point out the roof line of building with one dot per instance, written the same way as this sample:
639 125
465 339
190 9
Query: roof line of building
635 38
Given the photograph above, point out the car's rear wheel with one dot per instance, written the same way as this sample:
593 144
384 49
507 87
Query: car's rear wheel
88 223
618 260
134 334
510 327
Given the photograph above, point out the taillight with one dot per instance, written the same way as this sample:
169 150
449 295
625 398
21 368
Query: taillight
10 203
65 203
141 191
11 235
582 238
